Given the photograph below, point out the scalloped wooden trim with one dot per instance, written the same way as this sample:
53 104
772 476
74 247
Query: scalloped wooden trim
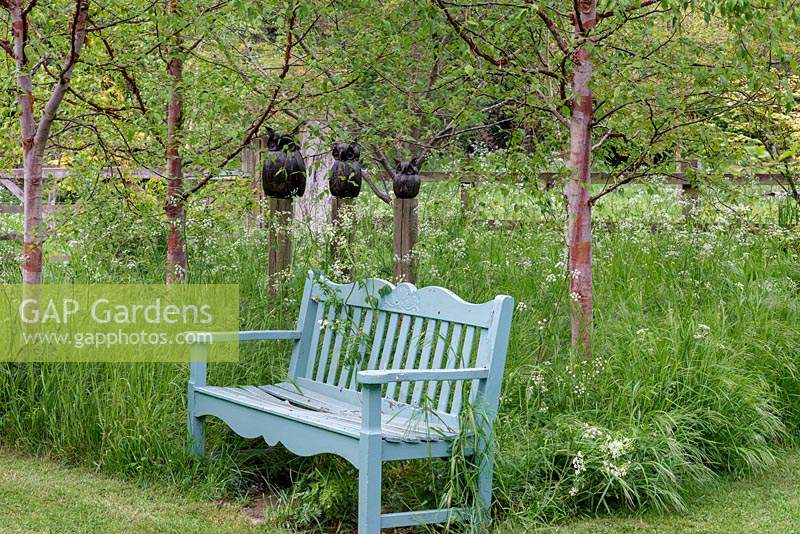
298 437
432 302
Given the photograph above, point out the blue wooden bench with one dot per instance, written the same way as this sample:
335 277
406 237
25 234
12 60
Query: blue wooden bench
377 373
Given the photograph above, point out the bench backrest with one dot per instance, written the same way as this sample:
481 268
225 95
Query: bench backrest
374 325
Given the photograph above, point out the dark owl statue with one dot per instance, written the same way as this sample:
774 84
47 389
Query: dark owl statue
283 174
345 178
406 179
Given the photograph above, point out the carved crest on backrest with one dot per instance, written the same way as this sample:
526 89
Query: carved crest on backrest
404 297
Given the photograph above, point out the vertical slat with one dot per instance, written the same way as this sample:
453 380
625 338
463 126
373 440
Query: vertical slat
377 341
388 341
452 354
351 349
326 342
312 349
364 337
466 359
441 341
481 359
411 357
399 350
302 353
341 332
424 359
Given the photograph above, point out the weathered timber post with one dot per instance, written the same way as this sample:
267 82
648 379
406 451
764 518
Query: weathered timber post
463 189
251 169
405 238
52 195
283 176
406 182
280 243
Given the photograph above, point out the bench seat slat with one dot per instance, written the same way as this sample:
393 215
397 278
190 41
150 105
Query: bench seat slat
397 410
300 389
307 400
392 421
394 428
272 405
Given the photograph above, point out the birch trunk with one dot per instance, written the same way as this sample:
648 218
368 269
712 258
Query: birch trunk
174 205
579 209
315 205
35 138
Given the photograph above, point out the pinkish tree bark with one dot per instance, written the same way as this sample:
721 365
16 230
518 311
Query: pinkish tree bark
174 209
579 208
35 136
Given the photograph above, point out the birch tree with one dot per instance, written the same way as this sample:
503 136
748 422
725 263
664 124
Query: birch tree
35 125
655 78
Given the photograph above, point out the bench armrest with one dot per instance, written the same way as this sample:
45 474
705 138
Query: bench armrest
247 335
417 375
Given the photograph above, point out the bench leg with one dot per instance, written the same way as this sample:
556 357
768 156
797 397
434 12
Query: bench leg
197 378
485 475
197 434
370 469
369 496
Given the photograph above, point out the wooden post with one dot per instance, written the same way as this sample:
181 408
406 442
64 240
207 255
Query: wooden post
251 168
464 191
51 201
280 243
405 238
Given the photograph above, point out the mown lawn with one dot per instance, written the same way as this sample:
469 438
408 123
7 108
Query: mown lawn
769 502
42 496
37 495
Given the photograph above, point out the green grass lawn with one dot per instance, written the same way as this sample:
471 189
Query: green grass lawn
38 495
769 502
42 496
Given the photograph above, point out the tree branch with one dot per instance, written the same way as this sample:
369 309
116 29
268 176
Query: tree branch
268 112
553 29
643 3
5 45
78 37
380 157
459 29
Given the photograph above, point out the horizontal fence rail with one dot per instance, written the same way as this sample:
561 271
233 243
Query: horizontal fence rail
13 177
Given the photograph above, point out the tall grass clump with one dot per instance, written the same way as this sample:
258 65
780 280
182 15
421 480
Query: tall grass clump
695 370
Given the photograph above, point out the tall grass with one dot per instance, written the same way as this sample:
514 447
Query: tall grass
695 370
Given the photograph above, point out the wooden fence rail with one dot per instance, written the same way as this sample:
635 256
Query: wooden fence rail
405 218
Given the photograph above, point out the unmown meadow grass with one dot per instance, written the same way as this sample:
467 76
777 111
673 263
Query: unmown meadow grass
695 368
